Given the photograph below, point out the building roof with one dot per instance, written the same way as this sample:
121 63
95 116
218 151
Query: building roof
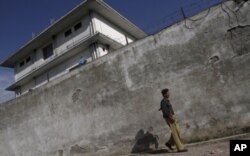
75 14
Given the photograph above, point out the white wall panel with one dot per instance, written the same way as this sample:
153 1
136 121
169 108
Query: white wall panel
26 68
62 68
101 50
108 29
42 79
25 88
62 42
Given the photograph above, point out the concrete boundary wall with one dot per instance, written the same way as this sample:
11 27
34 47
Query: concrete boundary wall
101 106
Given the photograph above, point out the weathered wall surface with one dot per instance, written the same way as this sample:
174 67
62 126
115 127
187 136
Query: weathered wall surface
206 65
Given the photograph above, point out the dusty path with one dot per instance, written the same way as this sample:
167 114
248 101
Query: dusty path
218 147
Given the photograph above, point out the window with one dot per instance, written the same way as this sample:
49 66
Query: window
28 59
21 64
47 51
67 33
78 26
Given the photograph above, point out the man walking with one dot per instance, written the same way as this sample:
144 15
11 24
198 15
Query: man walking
168 115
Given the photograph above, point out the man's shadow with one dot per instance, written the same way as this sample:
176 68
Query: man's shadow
143 141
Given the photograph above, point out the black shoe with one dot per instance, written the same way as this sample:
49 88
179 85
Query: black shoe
169 146
183 150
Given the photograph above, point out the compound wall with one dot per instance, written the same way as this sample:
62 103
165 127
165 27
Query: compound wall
205 63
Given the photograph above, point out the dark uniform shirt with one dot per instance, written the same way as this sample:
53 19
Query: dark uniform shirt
166 108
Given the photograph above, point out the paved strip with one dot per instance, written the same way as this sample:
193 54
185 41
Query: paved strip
214 147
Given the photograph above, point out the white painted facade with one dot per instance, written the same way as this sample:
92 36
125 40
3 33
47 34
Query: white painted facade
62 43
61 52
56 71
60 46
105 27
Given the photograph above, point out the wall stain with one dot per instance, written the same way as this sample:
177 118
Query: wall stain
76 94
240 39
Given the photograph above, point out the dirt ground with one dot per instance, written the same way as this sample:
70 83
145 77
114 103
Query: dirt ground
218 147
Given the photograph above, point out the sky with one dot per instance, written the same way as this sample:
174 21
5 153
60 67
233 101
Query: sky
21 19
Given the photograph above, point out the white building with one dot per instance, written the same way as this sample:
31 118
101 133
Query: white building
90 30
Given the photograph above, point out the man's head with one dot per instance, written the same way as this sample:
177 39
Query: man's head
165 93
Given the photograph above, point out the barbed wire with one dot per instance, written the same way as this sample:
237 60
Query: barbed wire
186 11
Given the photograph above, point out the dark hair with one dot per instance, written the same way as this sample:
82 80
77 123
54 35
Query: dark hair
164 91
